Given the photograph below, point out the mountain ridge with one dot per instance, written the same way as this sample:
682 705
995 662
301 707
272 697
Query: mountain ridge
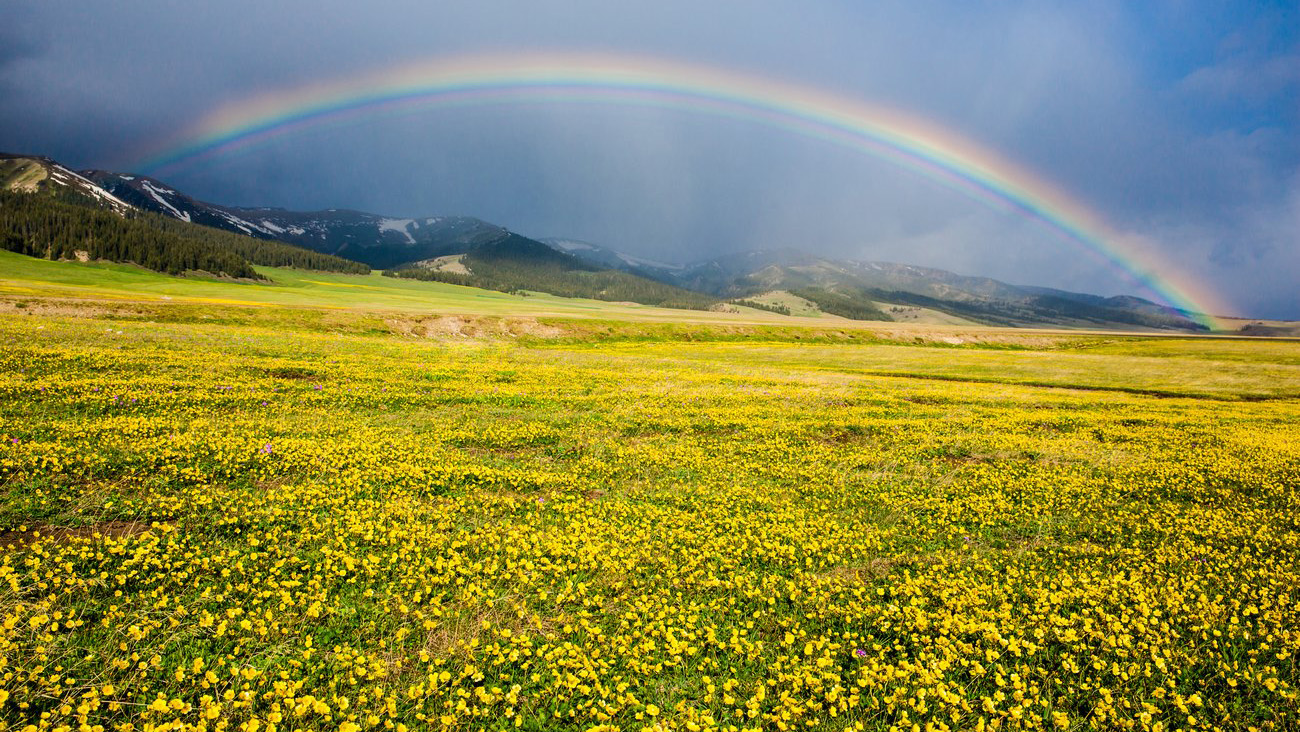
849 288
377 240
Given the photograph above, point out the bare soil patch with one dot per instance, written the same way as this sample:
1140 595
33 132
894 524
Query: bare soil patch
116 529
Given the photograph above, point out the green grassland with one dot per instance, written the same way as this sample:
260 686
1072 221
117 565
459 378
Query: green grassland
1215 370
20 275
357 503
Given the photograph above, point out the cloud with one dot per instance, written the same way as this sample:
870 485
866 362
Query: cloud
1180 131
1245 80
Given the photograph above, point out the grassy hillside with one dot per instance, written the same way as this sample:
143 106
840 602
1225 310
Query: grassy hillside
853 307
26 276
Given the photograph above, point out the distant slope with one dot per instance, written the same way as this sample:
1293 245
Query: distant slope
853 289
314 296
612 259
513 263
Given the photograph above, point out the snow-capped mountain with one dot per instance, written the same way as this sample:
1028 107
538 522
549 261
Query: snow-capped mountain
379 241
31 173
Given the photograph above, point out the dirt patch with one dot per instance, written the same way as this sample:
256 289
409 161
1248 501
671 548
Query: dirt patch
453 635
875 569
115 529
468 327
54 308
454 326
951 336
291 373
450 263
532 328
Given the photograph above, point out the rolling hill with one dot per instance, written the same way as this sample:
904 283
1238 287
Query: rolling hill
513 263
870 290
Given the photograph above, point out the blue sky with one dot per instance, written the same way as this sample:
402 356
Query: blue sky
1176 121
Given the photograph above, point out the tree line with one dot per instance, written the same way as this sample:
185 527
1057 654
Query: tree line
844 306
62 226
778 309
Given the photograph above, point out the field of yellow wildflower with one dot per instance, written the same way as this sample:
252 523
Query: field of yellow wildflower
210 526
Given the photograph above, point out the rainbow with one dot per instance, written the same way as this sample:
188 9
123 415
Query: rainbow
915 144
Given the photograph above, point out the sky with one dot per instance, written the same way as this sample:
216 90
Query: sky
1176 123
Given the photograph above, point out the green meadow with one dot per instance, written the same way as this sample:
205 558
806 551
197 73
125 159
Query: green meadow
346 503
21 275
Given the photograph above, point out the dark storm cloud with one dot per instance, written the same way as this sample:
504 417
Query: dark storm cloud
1175 123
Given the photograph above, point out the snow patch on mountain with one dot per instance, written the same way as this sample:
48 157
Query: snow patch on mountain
157 193
237 222
402 226
606 256
639 262
72 178
573 246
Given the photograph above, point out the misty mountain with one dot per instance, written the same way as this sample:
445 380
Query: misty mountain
867 291
602 255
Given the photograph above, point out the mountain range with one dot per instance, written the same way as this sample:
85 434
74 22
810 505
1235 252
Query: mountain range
469 251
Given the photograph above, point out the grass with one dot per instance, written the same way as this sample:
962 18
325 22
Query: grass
377 513
1202 369
27 276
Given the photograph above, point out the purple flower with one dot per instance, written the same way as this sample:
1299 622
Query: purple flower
860 653
266 448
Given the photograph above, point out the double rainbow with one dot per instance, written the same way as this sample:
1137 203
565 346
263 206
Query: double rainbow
912 143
